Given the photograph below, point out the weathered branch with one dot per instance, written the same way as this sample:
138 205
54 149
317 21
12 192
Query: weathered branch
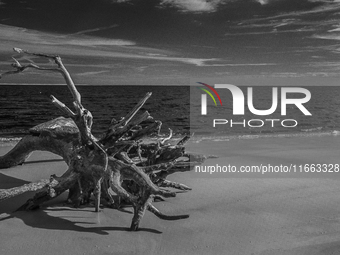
117 129
30 143
167 138
33 186
176 185
61 69
112 136
62 107
132 113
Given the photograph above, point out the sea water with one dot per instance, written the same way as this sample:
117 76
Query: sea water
178 107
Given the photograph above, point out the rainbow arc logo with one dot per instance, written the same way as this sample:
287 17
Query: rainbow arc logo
209 93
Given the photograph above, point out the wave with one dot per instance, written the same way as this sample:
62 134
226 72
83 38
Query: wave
5 141
11 141
224 138
311 129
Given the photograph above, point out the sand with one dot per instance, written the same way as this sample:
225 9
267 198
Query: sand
259 216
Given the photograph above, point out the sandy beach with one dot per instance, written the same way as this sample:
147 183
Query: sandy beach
255 216
257 81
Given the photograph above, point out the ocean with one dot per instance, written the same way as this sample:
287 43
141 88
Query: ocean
178 107
25 106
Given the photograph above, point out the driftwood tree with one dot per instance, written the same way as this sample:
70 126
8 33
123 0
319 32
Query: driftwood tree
119 166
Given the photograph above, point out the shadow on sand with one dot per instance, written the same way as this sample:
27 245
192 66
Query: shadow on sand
43 218
43 161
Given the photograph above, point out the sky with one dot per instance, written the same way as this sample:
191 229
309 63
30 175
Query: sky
176 42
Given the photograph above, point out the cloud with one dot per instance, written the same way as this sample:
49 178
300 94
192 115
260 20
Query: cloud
96 42
86 45
300 75
273 31
9 33
207 6
318 16
324 1
193 5
263 2
92 73
212 5
327 37
94 29
242 64
186 5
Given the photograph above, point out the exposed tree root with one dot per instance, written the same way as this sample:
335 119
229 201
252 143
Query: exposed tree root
119 162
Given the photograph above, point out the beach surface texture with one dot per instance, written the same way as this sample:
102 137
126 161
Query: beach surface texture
244 213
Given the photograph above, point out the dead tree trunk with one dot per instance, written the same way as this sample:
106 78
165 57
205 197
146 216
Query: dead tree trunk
118 162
